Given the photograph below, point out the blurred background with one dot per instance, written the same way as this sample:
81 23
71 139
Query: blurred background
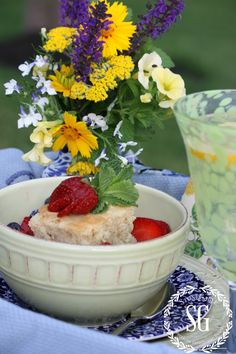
201 45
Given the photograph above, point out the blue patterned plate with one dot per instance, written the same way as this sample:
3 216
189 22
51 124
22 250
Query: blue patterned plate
151 329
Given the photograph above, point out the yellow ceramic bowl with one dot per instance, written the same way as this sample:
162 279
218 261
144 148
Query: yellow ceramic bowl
87 283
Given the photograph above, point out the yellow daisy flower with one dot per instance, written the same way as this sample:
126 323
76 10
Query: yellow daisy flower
63 80
83 167
117 37
59 39
75 135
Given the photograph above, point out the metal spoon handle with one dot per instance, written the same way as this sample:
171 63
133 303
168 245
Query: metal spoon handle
123 326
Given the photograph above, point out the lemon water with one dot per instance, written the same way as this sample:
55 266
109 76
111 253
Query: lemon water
214 180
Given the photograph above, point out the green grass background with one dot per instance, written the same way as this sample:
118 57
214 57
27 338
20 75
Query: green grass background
202 45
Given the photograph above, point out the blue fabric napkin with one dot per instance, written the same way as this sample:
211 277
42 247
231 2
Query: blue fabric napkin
14 169
26 332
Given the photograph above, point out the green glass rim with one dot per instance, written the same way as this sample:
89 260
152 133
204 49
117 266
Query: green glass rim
178 111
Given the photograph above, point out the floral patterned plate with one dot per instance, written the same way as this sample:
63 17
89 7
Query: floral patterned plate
151 329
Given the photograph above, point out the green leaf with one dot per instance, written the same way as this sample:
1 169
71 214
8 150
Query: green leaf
115 187
194 249
151 46
105 177
127 130
123 190
132 84
167 62
129 15
101 207
115 163
125 173
194 213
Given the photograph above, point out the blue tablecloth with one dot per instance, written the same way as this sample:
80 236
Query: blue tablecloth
26 332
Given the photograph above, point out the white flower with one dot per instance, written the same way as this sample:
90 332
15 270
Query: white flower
40 61
47 88
41 102
95 121
123 160
146 65
44 85
131 156
25 68
37 155
26 119
167 104
11 86
117 130
53 67
103 156
111 105
43 32
123 146
146 98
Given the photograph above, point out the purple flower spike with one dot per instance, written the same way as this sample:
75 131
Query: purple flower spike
87 46
158 20
74 12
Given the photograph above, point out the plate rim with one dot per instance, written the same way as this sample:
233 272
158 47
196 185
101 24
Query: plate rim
164 335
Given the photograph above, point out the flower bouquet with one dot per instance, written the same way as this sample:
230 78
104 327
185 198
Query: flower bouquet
97 87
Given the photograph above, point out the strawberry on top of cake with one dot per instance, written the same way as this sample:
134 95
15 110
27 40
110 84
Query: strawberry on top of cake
68 217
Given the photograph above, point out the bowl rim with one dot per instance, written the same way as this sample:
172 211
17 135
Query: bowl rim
17 236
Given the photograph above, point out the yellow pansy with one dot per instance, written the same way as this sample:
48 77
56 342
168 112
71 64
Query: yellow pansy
37 155
169 84
41 134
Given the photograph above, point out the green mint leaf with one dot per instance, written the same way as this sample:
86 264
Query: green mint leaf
105 177
116 201
114 187
101 207
125 173
123 190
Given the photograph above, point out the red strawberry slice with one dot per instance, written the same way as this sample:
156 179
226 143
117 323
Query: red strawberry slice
73 196
25 228
147 229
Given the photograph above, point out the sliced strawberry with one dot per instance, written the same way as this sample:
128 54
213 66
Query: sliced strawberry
105 244
164 226
147 229
73 196
25 228
59 193
59 204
